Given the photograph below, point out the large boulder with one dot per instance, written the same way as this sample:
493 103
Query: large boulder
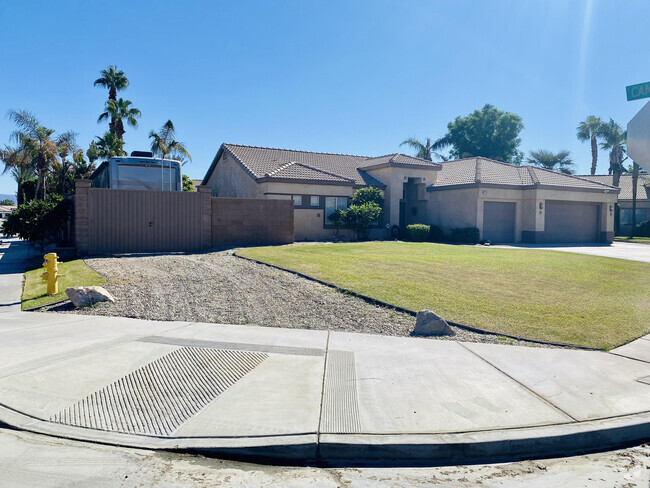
427 323
83 296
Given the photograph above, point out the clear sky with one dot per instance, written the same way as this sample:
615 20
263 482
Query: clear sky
354 77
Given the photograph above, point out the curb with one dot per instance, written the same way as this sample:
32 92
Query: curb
375 301
379 450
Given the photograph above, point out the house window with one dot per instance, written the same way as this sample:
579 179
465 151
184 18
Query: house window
297 200
626 216
332 204
315 201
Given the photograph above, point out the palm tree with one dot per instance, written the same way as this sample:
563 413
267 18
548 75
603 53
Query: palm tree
118 111
21 174
36 141
109 146
591 129
425 150
164 144
555 162
112 79
65 143
615 139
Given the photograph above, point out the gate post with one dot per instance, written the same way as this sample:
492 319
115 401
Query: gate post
205 193
81 224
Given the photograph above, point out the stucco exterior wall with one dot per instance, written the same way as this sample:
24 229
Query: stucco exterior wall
453 208
395 177
230 180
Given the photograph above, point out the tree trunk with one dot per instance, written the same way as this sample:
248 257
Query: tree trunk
594 154
112 93
616 163
635 179
119 129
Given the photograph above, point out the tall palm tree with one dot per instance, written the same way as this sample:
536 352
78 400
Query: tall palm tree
615 140
113 79
164 143
109 146
425 150
118 111
555 162
36 140
591 130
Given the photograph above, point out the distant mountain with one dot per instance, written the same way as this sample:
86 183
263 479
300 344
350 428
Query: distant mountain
10 197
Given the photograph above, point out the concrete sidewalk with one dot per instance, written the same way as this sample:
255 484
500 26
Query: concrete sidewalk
311 396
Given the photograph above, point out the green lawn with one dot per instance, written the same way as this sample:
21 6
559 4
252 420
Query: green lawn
637 240
76 272
544 295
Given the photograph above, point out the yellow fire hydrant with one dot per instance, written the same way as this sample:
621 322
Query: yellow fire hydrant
51 264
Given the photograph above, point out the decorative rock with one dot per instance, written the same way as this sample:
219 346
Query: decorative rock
427 323
83 296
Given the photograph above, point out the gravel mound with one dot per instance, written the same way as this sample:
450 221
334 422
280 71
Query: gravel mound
219 287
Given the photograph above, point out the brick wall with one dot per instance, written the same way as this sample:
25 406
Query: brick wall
244 221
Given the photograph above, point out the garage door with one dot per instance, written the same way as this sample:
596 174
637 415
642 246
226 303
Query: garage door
499 221
571 222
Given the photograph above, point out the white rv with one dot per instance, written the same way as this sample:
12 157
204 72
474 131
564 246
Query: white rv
139 171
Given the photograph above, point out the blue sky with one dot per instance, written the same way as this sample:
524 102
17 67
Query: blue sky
353 77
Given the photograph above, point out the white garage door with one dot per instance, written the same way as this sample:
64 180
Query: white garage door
571 222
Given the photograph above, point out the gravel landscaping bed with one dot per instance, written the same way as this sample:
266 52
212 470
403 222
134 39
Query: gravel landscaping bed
221 288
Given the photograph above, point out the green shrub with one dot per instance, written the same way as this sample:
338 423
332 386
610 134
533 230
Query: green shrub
38 221
436 234
368 195
417 232
465 235
643 229
361 217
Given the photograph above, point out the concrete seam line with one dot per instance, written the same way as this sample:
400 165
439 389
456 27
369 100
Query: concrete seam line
375 301
322 395
547 402
627 357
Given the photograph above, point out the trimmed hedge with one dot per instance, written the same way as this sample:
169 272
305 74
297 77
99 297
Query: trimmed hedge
465 235
643 229
417 232
436 234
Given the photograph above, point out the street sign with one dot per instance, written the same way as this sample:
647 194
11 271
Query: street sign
638 138
636 92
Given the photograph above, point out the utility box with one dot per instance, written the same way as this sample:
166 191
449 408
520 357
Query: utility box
140 171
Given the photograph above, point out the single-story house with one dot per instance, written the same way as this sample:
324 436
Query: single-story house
506 203
625 199
6 210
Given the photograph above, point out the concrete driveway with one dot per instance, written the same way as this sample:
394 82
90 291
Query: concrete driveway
619 250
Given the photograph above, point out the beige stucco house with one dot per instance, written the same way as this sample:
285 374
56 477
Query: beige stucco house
506 203
625 199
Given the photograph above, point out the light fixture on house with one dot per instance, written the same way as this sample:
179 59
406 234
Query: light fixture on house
484 192
541 205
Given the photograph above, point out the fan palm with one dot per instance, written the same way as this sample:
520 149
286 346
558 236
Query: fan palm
109 146
425 150
118 111
36 141
555 162
615 139
113 79
21 174
164 143
591 130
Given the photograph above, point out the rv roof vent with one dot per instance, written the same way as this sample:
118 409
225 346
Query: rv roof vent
142 154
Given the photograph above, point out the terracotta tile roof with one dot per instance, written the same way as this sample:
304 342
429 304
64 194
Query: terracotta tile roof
268 164
472 171
625 184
